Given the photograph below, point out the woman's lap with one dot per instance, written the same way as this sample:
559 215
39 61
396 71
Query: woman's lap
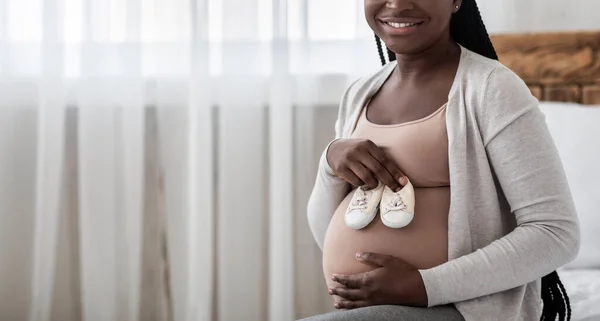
392 313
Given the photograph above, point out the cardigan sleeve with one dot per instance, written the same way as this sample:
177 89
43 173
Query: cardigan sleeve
522 155
329 190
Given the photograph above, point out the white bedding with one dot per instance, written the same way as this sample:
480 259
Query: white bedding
576 132
583 287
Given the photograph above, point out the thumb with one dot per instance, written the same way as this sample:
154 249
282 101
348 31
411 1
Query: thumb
375 259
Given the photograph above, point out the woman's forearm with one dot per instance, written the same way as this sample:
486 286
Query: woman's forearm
327 194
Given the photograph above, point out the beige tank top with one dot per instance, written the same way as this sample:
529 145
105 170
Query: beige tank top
420 149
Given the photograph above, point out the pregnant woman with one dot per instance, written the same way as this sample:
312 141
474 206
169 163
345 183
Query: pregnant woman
442 196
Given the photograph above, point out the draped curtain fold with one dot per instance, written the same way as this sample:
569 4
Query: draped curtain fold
156 155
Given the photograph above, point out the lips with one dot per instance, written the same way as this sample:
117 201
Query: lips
401 19
400 26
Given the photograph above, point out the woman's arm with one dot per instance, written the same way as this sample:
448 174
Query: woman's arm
524 158
329 190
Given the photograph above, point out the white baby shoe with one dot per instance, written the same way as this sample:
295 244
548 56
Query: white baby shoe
398 208
363 207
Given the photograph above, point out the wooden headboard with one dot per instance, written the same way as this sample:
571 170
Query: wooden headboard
555 66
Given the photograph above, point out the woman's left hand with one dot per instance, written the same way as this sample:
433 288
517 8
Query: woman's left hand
393 282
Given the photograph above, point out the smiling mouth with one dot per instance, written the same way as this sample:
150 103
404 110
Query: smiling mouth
402 25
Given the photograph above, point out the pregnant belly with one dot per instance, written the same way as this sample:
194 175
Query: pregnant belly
423 243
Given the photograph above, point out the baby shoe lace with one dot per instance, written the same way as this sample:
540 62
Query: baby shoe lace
360 199
396 203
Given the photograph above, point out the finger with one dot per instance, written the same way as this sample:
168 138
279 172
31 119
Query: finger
365 175
351 178
350 281
380 171
345 304
376 259
391 167
348 294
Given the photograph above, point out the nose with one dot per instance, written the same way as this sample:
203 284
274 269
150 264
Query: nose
400 5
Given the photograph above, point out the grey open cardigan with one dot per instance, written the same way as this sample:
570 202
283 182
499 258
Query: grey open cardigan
511 219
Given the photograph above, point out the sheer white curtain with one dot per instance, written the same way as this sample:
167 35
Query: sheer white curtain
156 155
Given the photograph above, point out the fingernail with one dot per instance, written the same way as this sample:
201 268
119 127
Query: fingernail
334 278
366 188
336 305
359 255
403 181
330 291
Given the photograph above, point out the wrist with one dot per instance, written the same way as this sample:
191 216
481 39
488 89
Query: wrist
327 164
328 149
418 292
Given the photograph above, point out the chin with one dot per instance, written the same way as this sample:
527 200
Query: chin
405 48
407 45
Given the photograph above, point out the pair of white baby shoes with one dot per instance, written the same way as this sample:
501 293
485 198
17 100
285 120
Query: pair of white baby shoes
397 208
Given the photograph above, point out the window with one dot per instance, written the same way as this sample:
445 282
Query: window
97 34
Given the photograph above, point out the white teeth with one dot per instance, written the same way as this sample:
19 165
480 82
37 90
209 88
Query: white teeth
401 24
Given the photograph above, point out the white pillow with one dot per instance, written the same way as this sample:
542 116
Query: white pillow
576 132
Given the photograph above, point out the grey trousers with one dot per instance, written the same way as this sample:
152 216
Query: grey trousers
392 313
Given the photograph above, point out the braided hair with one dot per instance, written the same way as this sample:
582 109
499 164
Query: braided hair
468 30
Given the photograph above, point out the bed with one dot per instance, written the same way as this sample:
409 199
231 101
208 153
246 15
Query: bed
563 72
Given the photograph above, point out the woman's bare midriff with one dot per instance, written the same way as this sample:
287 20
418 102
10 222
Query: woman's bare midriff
423 243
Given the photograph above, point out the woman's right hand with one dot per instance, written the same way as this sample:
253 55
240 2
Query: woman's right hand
362 163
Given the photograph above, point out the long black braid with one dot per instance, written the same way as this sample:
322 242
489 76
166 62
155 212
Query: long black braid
468 30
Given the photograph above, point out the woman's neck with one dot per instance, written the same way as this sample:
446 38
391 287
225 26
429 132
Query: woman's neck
442 52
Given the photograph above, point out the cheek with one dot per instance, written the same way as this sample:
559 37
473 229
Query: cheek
371 8
438 11
443 13
439 21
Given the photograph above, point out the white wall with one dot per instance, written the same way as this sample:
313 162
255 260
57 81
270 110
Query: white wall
540 15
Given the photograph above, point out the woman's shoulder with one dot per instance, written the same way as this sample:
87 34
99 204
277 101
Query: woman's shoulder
371 80
499 96
361 89
490 73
